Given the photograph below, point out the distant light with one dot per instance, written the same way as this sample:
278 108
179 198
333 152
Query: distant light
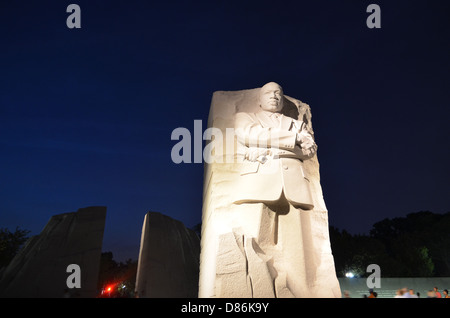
349 275
108 289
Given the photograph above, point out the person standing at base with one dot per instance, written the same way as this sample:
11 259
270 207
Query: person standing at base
437 293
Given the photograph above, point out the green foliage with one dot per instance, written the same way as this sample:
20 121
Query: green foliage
10 244
417 245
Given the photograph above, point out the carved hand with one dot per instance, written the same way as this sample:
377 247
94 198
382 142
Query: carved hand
257 154
305 140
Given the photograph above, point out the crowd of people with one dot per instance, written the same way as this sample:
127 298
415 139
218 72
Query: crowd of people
407 293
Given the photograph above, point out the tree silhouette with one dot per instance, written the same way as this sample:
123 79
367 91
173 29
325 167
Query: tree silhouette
10 244
417 245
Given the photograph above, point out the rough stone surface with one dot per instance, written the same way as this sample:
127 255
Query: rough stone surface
40 268
254 243
168 263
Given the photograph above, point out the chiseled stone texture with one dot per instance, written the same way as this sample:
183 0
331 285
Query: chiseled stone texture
247 250
168 263
39 269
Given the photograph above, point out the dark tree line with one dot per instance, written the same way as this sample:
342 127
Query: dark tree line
417 245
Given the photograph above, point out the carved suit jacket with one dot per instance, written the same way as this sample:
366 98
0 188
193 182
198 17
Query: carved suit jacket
273 162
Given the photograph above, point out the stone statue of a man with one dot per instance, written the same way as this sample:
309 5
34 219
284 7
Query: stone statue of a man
276 146
265 224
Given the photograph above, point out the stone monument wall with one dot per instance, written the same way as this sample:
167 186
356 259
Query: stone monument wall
39 270
168 263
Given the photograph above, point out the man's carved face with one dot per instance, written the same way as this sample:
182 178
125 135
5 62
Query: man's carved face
271 97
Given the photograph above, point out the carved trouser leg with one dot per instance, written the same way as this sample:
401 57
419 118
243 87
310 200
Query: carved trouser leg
294 252
287 236
275 243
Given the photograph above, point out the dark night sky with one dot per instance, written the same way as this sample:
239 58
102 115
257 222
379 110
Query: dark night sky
86 114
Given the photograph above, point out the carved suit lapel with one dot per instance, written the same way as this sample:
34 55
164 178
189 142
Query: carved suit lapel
286 122
264 120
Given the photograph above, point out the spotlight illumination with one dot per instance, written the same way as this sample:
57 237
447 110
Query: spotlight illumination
349 275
